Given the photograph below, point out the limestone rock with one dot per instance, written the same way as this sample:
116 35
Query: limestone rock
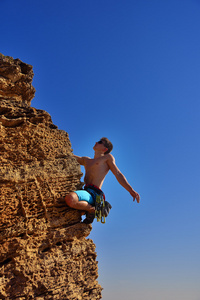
44 250
16 80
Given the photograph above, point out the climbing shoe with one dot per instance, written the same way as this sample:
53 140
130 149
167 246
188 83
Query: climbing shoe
89 218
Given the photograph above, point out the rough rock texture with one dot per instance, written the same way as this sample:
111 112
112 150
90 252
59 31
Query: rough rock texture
44 253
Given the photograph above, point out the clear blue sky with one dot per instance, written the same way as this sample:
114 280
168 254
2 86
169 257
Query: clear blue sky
128 70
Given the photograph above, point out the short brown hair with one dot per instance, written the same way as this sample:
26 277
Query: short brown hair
107 144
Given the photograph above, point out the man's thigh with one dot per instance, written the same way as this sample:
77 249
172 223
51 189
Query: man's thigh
85 196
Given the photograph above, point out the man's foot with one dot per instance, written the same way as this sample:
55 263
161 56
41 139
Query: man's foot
89 218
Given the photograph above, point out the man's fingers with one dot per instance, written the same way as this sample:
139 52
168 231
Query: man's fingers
138 198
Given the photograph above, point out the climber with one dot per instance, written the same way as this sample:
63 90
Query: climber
95 171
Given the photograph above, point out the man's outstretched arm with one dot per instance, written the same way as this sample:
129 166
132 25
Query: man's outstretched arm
79 159
122 179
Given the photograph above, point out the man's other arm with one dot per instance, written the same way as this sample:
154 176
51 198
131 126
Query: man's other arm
122 179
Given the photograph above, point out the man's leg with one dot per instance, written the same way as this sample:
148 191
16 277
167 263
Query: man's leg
72 201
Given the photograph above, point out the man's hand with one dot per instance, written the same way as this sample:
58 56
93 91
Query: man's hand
136 196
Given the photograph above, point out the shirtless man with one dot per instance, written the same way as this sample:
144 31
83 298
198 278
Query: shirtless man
95 171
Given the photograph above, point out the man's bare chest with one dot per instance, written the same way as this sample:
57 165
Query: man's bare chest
96 165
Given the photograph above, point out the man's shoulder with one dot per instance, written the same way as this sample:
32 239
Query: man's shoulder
109 157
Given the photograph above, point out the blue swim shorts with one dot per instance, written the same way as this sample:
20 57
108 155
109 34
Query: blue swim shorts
85 196
89 194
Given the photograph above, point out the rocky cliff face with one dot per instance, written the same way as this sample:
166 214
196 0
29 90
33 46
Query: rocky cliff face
44 253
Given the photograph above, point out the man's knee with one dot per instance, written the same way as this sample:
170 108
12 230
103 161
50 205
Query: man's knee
71 199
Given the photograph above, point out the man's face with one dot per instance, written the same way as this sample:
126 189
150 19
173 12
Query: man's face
100 146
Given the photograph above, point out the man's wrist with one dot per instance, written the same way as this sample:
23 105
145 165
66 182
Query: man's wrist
132 191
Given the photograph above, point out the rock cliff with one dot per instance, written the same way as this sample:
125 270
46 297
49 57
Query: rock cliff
44 250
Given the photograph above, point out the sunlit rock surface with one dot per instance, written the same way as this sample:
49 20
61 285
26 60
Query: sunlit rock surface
44 252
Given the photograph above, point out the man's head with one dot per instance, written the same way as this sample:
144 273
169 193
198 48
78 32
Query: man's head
106 144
